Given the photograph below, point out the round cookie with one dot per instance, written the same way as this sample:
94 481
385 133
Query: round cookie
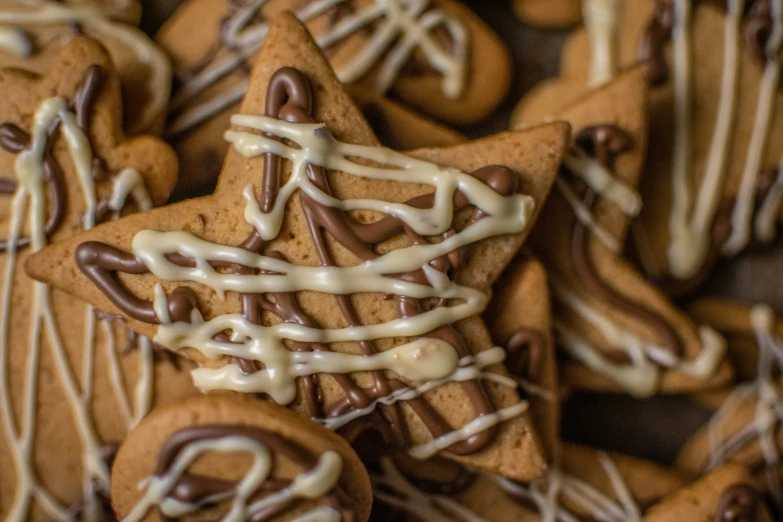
211 455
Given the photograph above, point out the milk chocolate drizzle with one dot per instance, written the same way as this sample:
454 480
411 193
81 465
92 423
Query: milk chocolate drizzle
194 489
289 98
525 351
738 503
605 142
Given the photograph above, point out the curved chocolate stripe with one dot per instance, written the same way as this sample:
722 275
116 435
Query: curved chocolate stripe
738 503
758 27
99 262
192 488
525 353
651 49
605 142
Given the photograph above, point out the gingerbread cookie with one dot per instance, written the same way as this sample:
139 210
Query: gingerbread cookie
727 494
712 178
549 13
519 318
435 56
73 380
590 485
619 331
277 282
234 457
748 427
33 33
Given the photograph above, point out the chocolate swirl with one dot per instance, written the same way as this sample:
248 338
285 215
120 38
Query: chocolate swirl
196 489
605 142
289 98
738 503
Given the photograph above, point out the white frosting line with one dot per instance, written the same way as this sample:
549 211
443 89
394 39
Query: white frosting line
15 41
767 216
600 18
768 397
29 206
641 376
603 181
477 425
390 487
586 217
309 484
741 218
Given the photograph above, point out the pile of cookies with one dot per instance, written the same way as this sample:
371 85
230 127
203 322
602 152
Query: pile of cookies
315 326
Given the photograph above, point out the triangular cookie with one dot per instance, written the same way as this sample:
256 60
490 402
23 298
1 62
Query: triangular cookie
72 381
320 293
620 332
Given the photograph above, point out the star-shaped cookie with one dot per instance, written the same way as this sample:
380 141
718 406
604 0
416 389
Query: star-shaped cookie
73 379
350 292
712 181
620 332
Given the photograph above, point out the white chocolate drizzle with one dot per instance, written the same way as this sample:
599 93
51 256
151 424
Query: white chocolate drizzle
390 487
309 484
94 20
600 18
767 395
29 206
548 495
400 28
647 359
694 208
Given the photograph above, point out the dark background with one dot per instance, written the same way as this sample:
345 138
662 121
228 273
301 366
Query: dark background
651 428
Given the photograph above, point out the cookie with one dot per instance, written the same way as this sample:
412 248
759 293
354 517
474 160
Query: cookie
32 35
318 231
549 13
225 455
519 318
712 182
619 331
747 428
592 485
459 72
73 380
733 319
724 495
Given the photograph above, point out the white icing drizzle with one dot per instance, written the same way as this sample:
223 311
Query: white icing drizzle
769 212
309 484
765 391
481 423
600 18
547 494
390 487
15 41
742 216
586 217
30 206
640 377
145 50
400 27
694 208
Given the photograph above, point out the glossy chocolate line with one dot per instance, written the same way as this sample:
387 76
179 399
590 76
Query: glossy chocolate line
525 353
605 142
738 503
193 488
289 98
